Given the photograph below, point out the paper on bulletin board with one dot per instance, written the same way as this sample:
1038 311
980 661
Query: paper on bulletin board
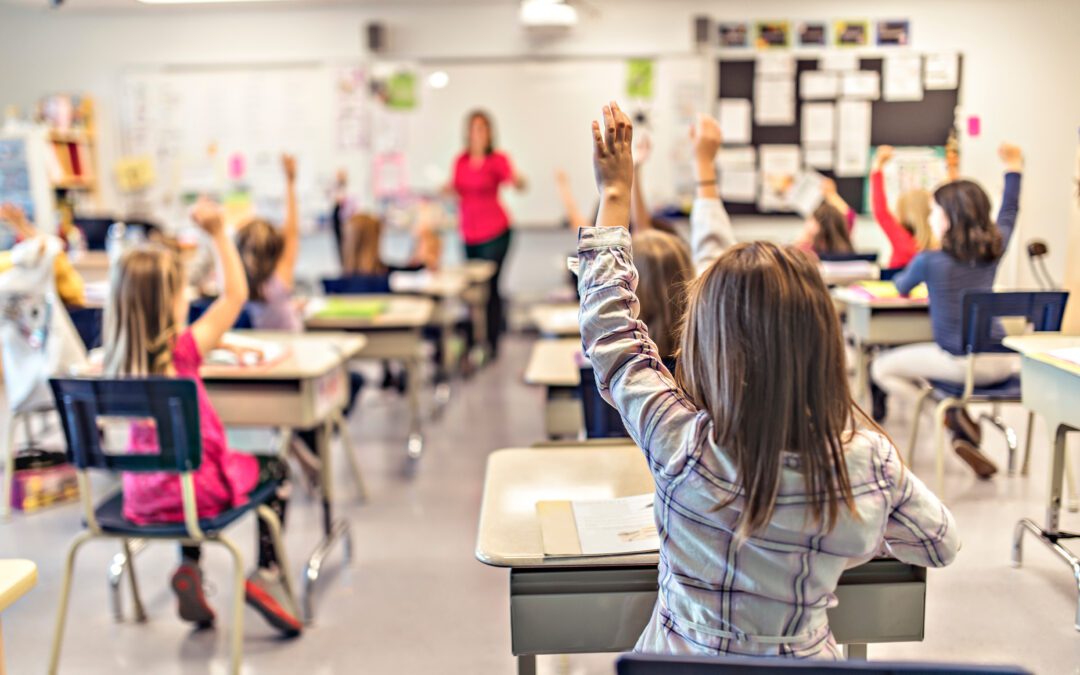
839 61
134 173
818 123
738 175
902 75
639 78
853 138
861 84
775 64
780 165
942 70
735 122
914 168
819 157
774 101
818 84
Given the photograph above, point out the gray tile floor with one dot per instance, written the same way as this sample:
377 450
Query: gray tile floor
415 600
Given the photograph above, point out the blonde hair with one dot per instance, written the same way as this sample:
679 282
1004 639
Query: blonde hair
913 212
664 269
260 245
139 322
363 235
762 352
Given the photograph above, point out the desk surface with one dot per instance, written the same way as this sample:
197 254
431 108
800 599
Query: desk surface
402 312
553 363
479 271
855 298
17 577
1036 347
446 283
558 319
309 355
516 479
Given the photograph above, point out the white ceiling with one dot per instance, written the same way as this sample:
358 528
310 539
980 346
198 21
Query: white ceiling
96 5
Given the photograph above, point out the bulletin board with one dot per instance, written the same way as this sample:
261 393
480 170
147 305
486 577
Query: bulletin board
926 122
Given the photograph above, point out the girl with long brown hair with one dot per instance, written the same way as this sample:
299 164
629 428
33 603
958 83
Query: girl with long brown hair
770 482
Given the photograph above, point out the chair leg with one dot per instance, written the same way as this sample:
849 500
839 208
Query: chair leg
270 518
347 446
136 599
1011 440
914 440
65 595
1027 443
9 467
939 441
237 638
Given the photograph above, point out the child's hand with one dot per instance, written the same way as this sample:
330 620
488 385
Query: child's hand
828 187
613 161
288 164
882 156
207 215
15 216
706 138
1012 156
561 178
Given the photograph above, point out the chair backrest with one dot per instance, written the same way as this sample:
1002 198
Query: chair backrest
887 273
848 257
197 307
647 664
982 328
359 284
85 404
87 322
602 420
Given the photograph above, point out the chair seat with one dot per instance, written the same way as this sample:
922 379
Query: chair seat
1009 390
110 515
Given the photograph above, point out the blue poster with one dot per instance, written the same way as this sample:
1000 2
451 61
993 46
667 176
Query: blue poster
15 175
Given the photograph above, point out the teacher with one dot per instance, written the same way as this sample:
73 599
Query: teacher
478 174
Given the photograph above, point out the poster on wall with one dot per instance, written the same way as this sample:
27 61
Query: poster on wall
639 78
852 33
772 34
894 33
734 34
813 34
15 176
350 93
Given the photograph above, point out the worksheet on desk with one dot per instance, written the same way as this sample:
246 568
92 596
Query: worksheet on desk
614 526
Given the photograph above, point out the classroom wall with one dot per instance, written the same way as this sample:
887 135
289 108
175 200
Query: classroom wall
1020 68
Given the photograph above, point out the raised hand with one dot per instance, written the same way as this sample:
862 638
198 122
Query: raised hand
828 187
288 164
706 138
15 216
207 215
1012 156
613 161
882 156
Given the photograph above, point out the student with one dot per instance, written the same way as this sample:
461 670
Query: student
362 251
69 283
971 247
911 233
269 258
768 483
827 231
145 335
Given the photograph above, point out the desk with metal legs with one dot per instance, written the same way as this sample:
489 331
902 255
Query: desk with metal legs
1051 388
585 605
553 365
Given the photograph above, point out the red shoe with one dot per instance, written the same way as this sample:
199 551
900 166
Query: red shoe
187 584
265 592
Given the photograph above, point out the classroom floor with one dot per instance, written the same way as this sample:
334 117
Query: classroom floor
416 601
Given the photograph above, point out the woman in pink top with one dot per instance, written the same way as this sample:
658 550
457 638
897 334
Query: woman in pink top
479 172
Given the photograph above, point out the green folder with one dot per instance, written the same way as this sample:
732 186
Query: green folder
341 308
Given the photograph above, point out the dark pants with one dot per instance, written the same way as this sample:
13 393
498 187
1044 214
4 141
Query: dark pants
494 250
356 383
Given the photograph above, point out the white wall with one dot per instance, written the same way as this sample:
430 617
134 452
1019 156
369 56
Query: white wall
1020 70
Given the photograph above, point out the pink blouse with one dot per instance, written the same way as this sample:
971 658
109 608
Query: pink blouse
482 216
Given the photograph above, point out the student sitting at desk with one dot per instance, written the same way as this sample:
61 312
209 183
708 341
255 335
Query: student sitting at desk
69 283
827 231
971 248
145 335
909 230
769 481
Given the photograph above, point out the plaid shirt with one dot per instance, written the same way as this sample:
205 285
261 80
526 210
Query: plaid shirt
769 596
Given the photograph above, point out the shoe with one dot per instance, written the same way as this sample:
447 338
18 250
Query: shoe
265 591
187 584
982 465
880 402
960 423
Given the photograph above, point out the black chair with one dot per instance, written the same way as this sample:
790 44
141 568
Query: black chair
848 257
358 284
197 307
982 330
648 664
87 322
92 412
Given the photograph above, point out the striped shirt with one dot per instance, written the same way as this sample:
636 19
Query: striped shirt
770 595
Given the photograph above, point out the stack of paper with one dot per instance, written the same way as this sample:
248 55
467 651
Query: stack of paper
241 350
598 527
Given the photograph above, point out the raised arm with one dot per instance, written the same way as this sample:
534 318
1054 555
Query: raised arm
829 192
1013 158
710 226
570 205
220 316
920 529
902 241
69 283
912 275
629 372
640 218
290 230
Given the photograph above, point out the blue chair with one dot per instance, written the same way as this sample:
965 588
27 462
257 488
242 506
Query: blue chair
197 307
87 322
359 284
985 315
887 273
602 420
848 257
90 410
650 664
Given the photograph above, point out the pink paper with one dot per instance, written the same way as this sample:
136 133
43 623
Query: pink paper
236 166
974 126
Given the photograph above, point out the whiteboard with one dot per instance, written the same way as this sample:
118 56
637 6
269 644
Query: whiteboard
542 112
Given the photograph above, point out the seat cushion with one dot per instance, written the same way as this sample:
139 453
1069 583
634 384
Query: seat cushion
1009 390
110 515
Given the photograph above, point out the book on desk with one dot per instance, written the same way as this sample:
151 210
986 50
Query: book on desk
598 527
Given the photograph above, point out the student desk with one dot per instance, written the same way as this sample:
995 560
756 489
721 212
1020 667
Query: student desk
601 604
479 274
307 389
875 322
1051 388
556 319
553 365
395 334
17 577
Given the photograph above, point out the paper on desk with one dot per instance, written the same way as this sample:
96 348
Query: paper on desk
614 526
861 84
240 350
734 117
774 101
902 74
1069 354
839 61
942 70
818 123
818 84
853 139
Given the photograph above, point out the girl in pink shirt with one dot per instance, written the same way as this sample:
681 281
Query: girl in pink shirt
145 335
